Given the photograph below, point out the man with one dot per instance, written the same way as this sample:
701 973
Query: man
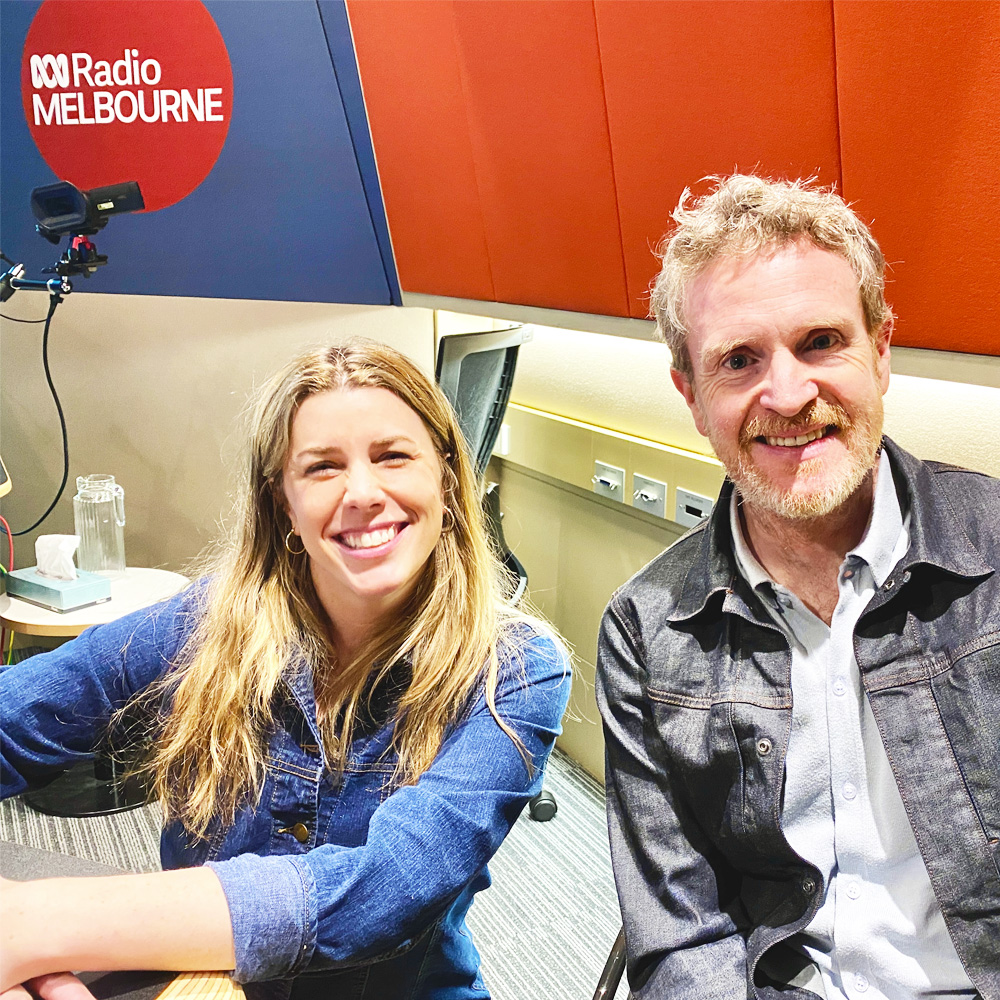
801 696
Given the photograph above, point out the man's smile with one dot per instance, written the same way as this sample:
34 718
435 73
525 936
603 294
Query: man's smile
797 440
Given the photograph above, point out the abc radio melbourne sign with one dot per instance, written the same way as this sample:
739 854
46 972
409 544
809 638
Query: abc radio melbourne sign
70 106
126 90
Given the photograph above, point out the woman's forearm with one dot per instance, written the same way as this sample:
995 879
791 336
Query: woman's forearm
177 920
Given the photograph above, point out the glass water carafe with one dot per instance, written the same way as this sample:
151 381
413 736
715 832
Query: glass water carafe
99 518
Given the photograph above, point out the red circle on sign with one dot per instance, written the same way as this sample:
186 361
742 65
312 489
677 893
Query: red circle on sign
128 90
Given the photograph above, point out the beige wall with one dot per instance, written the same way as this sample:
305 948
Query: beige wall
577 551
152 387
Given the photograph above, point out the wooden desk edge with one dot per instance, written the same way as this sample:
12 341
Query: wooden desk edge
61 631
202 986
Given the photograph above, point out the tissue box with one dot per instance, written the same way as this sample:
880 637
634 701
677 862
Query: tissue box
58 595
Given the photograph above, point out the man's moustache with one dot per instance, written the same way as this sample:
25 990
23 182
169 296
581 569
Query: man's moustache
822 413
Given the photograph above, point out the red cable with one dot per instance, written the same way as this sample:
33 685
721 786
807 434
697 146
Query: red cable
10 566
10 545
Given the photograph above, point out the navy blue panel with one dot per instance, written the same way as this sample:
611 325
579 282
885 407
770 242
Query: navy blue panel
345 65
284 214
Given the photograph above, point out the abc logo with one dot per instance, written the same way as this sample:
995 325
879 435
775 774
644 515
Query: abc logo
49 71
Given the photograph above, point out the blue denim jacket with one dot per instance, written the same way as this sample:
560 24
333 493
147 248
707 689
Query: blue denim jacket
694 686
350 878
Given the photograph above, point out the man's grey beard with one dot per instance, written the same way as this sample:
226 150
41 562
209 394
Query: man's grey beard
862 438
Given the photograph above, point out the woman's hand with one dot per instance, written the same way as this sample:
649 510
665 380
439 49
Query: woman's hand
55 986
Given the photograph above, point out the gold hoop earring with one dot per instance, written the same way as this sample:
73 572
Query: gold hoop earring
446 527
288 548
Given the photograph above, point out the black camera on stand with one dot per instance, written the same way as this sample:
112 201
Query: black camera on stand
62 209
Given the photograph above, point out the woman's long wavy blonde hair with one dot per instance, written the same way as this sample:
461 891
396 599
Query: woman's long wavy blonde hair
261 614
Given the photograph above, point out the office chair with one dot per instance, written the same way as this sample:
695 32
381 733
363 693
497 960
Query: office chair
607 985
476 372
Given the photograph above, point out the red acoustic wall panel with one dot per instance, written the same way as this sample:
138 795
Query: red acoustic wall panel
543 159
410 71
706 87
531 150
509 139
919 88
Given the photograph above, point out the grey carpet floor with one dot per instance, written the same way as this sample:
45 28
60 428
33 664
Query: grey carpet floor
544 929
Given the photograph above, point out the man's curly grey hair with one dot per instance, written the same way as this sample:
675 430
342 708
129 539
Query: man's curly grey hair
744 214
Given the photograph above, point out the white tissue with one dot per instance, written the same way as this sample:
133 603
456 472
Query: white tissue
54 556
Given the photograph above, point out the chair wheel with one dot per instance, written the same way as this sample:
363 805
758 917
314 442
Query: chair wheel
543 806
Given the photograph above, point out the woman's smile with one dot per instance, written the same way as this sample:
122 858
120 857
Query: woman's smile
370 541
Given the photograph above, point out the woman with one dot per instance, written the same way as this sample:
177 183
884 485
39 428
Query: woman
349 716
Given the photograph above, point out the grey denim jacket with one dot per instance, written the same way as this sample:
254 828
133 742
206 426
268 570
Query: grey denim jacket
694 687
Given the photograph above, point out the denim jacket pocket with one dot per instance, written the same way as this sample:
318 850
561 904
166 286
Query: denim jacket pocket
364 785
970 710
729 750
937 711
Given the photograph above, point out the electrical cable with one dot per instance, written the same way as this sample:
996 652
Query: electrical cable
53 302
14 319
10 547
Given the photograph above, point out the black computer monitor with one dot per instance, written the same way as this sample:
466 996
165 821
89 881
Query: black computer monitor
476 372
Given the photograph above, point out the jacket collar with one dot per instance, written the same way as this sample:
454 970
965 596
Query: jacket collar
937 539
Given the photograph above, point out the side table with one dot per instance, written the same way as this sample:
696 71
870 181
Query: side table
94 788
137 588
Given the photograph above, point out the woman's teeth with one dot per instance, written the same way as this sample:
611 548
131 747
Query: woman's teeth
369 539
794 442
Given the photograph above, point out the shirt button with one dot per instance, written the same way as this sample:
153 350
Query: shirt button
854 891
839 687
763 746
861 983
849 790
300 832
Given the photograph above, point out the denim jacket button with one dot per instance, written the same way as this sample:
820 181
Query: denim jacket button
808 886
300 832
763 746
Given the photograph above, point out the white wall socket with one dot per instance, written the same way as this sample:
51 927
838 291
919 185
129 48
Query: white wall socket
691 508
609 481
649 495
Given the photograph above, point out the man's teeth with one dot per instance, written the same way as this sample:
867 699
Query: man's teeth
794 442
369 539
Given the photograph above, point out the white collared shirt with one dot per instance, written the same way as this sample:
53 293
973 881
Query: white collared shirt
879 933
